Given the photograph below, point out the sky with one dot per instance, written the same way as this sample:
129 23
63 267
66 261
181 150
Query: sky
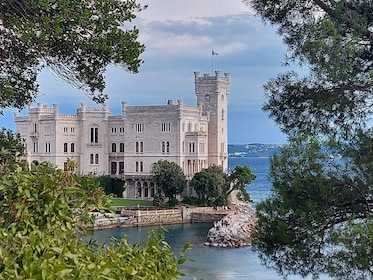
179 37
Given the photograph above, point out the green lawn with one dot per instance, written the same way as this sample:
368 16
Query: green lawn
131 202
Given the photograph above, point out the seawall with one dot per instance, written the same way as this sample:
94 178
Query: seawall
130 218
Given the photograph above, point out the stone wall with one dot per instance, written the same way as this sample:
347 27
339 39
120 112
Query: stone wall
206 217
158 217
172 216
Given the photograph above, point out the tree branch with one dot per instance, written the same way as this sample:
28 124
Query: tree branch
344 20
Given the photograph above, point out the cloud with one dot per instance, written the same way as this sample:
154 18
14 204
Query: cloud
190 11
179 37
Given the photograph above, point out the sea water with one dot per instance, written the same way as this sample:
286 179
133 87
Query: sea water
212 263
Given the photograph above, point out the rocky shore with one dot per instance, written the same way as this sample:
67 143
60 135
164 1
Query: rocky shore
235 229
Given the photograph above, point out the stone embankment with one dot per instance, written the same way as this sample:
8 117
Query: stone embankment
235 229
135 217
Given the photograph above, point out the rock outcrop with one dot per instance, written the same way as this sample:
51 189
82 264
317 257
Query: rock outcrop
235 229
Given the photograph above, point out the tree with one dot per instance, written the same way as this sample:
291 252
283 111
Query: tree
334 40
76 39
111 185
170 177
319 219
210 184
238 179
44 213
12 146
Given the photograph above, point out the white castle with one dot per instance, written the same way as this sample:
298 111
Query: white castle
127 145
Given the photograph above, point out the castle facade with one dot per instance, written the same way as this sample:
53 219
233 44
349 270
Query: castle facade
127 145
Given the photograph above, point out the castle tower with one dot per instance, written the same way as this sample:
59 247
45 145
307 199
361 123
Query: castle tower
212 94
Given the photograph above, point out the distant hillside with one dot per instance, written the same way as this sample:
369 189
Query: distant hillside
252 150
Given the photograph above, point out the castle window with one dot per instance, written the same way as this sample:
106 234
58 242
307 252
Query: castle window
36 150
139 127
47 147
121 147
192 148
94 134
65 129
65 147
72 147
222 114
165 147
72 129
121 167
113 168
139 147
114 147
139 166
165 127
93 159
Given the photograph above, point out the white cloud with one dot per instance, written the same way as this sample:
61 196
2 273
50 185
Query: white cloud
179 36
190 10
168 43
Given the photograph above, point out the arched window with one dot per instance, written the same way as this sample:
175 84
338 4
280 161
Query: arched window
94 134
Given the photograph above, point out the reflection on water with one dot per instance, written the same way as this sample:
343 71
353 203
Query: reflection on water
209 262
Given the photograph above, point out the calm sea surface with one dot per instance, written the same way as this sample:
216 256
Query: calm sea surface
212 263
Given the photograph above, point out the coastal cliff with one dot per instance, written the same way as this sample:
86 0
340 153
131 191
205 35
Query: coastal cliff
235 229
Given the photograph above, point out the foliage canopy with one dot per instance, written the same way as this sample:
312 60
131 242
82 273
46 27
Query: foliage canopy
44 213
170 177
319 219
12 146
213 185
76 39
209 183
334 41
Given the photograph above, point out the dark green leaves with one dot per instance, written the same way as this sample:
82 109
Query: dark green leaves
321 193
170 177
75 39
43 213
333 41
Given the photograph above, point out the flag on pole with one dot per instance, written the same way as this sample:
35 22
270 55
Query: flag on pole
214 53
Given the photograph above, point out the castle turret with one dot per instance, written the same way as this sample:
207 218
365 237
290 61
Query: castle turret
212 94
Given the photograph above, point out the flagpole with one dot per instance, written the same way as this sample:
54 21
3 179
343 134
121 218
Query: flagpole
212 62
